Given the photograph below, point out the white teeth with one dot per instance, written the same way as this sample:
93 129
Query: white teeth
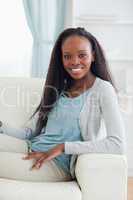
76 69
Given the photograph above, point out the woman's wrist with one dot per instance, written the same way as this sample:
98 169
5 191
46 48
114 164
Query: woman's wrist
62 147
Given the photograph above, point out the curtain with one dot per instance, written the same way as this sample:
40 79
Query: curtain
46 19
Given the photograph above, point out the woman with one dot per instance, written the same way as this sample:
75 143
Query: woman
78 95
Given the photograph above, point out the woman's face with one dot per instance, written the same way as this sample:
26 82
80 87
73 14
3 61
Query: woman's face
77 56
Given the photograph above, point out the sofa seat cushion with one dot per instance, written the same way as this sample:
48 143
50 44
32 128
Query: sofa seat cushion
14 190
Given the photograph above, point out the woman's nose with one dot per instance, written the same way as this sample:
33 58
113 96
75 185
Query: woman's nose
75 60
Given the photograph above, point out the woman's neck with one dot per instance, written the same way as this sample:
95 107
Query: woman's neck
81 85
84 83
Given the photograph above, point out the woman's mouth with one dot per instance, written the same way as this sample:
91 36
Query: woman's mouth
75 69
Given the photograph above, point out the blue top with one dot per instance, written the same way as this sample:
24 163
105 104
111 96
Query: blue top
62 126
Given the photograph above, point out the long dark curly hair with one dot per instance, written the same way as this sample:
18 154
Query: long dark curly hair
58 79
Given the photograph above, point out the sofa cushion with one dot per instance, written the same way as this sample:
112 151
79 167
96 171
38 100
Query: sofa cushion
14 190
19 98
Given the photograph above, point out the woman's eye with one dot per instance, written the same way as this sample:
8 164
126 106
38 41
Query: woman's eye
82 55
67 57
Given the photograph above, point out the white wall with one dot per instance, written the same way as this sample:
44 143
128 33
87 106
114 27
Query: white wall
120 8
111 21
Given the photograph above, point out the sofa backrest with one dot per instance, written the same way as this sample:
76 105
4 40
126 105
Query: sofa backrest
18 99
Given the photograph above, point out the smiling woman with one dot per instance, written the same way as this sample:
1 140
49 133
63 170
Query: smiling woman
62 130
15 40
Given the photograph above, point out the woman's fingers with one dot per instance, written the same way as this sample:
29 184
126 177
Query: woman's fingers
41 157
35 166
47 156
40 162
32 155
29 156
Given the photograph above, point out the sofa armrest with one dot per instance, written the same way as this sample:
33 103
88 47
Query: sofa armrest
102 176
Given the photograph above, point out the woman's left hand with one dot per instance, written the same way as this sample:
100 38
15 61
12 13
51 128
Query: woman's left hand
41 157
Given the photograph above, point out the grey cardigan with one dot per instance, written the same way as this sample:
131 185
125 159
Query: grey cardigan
101 124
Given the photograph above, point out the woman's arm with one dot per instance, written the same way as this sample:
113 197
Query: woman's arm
114 141
22 133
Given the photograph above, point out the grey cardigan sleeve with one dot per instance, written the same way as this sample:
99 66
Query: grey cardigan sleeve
114 142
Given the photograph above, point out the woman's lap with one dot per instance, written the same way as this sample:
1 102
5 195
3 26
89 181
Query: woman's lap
12 166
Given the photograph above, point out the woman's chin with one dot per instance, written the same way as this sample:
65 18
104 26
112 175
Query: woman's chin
76 76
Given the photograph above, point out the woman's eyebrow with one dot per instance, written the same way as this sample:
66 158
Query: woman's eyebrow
82 51
67 52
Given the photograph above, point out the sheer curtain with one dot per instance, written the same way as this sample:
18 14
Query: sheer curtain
15 40
46 19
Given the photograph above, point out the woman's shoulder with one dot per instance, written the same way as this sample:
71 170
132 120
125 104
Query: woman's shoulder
105 87
106 93
103 90
104 83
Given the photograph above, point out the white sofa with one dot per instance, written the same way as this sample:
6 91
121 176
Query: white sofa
99 176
